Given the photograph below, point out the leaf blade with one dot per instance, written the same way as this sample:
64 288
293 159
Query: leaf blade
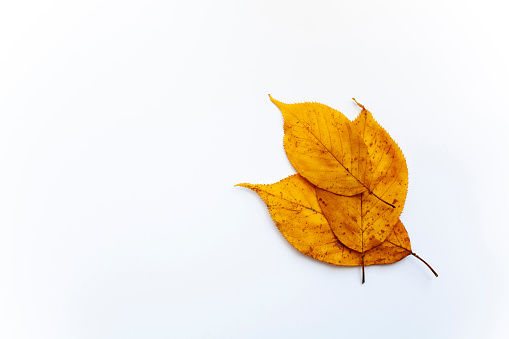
325 147
294 207
363 222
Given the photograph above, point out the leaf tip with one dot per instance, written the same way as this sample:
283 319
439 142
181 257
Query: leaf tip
276 102
361 106
246 185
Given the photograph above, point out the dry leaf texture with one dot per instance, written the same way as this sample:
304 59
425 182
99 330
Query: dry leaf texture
325 147
294 207
363 221
389 174
343 207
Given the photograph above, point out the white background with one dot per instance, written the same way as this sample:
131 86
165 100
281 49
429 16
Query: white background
124 126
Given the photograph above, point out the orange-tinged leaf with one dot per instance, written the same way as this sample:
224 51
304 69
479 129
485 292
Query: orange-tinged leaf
325 147
394 248
294 207
344 205
389 174
362 222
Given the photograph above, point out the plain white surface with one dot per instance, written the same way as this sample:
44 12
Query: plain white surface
124 126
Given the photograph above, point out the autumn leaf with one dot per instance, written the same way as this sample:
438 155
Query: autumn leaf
362 222
343 207
390 173
325 147
294 207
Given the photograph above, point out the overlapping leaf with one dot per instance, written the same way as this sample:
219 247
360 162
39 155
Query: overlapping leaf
365 221
344 205
325 147
294 207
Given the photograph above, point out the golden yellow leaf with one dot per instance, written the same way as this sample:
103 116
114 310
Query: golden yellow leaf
389 174
294 207
325 147
363 221
344 205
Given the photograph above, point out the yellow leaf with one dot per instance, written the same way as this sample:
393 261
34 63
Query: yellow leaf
325 147
363 221
389 174
294 207
344 205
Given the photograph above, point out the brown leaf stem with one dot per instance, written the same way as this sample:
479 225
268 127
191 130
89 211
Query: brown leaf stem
363 276
361 106
432 270
382 200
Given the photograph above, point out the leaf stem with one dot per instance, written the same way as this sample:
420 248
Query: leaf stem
363 276
432 270
361 106
382 200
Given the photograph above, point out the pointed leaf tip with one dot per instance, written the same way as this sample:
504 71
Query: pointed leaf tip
246 185
276 102
361 106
